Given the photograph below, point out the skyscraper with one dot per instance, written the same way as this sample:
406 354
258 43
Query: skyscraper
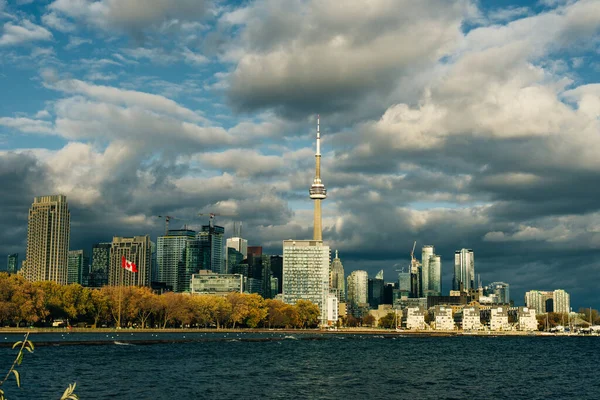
464 270
317 190
211 237
239 244
12 263
100 264
137 249
77 267
426 253
48 231
435 276
306 273
501 290
376 290
338 280
358 288
171 259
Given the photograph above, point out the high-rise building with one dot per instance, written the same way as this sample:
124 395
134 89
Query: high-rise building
538 300
211 237
317 190
431 272
239 244
78 266
338 280
306 273
464 270
171 258
404 283
137 249
562 301
12 263
277 271
426 253
375 290
358 289
48 232
435 276
98 276
500 290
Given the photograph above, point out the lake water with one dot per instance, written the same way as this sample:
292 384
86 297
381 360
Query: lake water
307 366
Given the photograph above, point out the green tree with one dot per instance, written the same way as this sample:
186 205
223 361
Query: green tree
388 321
368 320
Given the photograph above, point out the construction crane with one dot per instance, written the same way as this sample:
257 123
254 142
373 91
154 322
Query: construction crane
413 261
167 219
211 217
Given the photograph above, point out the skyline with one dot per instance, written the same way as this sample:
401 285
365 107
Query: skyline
452 123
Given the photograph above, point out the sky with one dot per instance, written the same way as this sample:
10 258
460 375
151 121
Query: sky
456 123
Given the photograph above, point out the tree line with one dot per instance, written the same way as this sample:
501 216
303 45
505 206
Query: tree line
24 303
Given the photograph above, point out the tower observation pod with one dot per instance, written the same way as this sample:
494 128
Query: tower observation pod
317 190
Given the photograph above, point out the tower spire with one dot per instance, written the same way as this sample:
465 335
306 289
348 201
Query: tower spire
317 190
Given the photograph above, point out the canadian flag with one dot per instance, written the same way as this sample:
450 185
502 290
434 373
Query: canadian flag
128 265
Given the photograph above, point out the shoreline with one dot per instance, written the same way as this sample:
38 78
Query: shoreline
354 331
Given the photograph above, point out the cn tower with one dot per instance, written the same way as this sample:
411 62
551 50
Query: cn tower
317 190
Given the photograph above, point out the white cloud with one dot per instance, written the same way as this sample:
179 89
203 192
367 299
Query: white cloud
131 98
75 41
28 125
130 14
25 32
53 21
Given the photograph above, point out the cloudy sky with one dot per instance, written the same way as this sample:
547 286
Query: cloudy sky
457 123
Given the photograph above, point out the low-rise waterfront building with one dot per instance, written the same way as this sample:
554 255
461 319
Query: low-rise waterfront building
208 282
471 318
415 318
332 309
499 319
527 320
443 318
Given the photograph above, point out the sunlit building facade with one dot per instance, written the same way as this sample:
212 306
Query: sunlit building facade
306 273
48 233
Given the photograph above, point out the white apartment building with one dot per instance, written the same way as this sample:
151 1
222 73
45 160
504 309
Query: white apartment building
415 318
471 320
443 318
527 320
499 319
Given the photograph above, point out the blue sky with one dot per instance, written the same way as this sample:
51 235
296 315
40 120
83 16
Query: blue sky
454 123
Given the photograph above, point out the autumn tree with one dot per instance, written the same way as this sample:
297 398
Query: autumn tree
143 304
99 306
276 316
308 313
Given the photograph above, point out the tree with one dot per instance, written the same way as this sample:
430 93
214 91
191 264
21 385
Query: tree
388 321
170 306
222 311
257 310
276 316
143 304
368 320
98 306
239 307
308 313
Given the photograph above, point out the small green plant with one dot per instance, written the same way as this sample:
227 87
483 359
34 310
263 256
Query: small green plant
27 344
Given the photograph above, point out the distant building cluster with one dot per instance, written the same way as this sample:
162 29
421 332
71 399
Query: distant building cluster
204 262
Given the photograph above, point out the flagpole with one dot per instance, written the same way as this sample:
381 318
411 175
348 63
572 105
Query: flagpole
120 292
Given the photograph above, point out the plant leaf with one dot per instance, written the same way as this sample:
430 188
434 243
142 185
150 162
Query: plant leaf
30 343
17 377
20 358
20 342
68 394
